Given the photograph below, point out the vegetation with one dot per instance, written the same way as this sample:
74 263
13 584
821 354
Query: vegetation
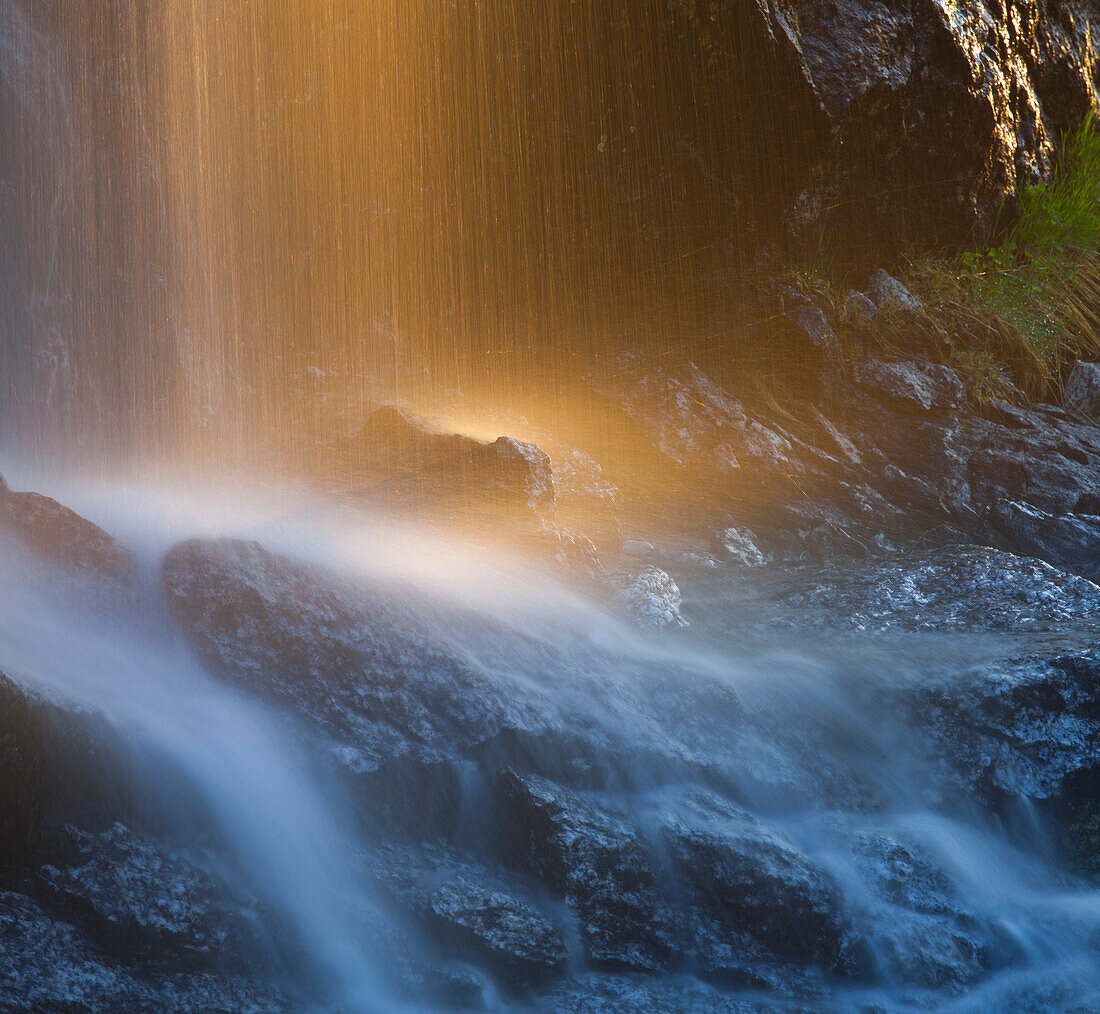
1013 317
1039 288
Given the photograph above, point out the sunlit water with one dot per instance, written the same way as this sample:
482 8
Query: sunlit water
290 831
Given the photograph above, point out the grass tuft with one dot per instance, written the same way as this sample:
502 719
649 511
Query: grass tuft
1035 296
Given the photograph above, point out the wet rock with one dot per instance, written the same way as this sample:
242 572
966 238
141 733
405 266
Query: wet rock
1070 541
885 291
62 536
143 901
961 588
740 545
813 323
919 933
1082 391
471 911
671 994
650 597
54 761
915 383
506 933
597 862
751 890
94 920
357 662
47 964
1021 730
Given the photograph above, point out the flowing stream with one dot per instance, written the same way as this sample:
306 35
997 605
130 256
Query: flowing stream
582 672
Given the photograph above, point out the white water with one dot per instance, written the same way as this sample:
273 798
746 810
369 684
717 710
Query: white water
285 826
245 764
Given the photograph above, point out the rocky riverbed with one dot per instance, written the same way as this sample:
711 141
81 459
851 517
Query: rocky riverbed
828 741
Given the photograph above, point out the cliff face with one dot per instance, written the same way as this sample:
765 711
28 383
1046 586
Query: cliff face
938 111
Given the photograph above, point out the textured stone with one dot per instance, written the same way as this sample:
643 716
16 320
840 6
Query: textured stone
1082 392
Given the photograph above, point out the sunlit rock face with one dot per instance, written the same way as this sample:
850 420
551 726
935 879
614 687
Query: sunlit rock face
938 112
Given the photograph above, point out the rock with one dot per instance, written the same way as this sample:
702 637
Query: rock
144 902
359 664
916 383
399 459
650 597
938 115
508 934
639 548
859 305
919 932
813 323
690 420
47 964
472 910
1069 541
885 290
597 862
54 761
752 890
668 994
740 545
959 588
93 919
63 536
1028 729
1082 391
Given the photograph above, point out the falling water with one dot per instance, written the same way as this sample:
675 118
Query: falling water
208 205
223 223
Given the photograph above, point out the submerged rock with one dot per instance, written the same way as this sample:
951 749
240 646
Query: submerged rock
1023 730
62 536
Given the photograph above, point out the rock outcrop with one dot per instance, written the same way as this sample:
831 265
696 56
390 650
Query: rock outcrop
62 536
938 114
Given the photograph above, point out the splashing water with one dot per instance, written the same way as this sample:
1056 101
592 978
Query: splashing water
577 668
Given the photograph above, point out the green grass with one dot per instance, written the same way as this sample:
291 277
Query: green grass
1011 317
1039 286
